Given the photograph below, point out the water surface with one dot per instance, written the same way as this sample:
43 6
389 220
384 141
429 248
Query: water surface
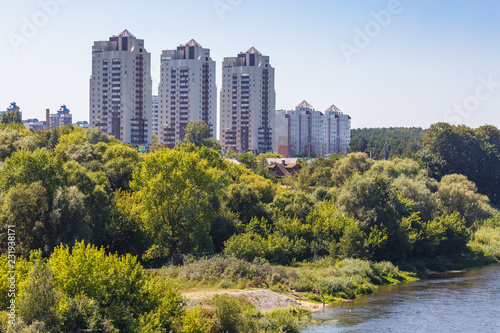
463 302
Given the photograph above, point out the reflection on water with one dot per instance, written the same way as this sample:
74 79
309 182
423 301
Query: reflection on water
464 302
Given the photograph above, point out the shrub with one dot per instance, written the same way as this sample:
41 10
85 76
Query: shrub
195 322
228 313
284 320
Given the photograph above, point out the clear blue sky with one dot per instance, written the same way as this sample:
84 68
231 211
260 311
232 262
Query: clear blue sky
425 62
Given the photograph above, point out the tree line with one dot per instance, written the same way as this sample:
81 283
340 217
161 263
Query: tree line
72 185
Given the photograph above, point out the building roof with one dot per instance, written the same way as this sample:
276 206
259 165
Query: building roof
278 160
63 109
253 50
13 106
125 33
333 108
282 170
192 42
304 104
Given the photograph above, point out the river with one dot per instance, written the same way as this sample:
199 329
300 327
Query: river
462 302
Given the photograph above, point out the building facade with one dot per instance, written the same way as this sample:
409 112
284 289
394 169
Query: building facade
154 116
61 118
247 103
82 123
34 124
187 92
121 89
305 131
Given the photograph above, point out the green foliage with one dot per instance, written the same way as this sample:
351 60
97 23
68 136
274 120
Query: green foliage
95 135
462 150
291 204
11 117
12 139
120 162
22 269
284 320
352 164
25 207
40 299
173 195
370 200
396 140
198 133
25 167
82 314
249 160
229 269
228 314
243 200
247 246
195 322
457 194
486 241
448 235
114 282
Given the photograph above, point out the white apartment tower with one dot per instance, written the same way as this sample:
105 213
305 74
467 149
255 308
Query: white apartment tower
305 131
154 116
187 92
337 131
247 102
121 89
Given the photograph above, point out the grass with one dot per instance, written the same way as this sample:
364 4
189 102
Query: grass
335 280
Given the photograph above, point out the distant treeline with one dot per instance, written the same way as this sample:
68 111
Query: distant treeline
396 140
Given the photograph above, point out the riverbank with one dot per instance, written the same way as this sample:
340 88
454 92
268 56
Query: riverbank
263 300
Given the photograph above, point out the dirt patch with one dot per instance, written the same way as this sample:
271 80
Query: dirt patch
264 300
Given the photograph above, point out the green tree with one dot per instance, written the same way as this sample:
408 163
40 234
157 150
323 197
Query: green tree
198 133
174 196
243 199
120 162
26 206
249 160
458 194
40 299
291 204
25 167
10 117
352 164
115 283
96 135
68 219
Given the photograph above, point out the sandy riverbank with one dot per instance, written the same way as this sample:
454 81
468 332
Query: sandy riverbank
264 300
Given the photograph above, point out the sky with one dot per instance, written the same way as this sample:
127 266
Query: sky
386 63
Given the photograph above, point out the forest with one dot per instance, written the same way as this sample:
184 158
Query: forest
104 234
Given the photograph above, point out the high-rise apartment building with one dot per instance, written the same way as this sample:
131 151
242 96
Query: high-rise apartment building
121 89
305 131
187 92
337 131
154 116
247 103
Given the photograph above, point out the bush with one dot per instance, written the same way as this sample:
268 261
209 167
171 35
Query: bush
284 320
229 268
228 313
195 322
